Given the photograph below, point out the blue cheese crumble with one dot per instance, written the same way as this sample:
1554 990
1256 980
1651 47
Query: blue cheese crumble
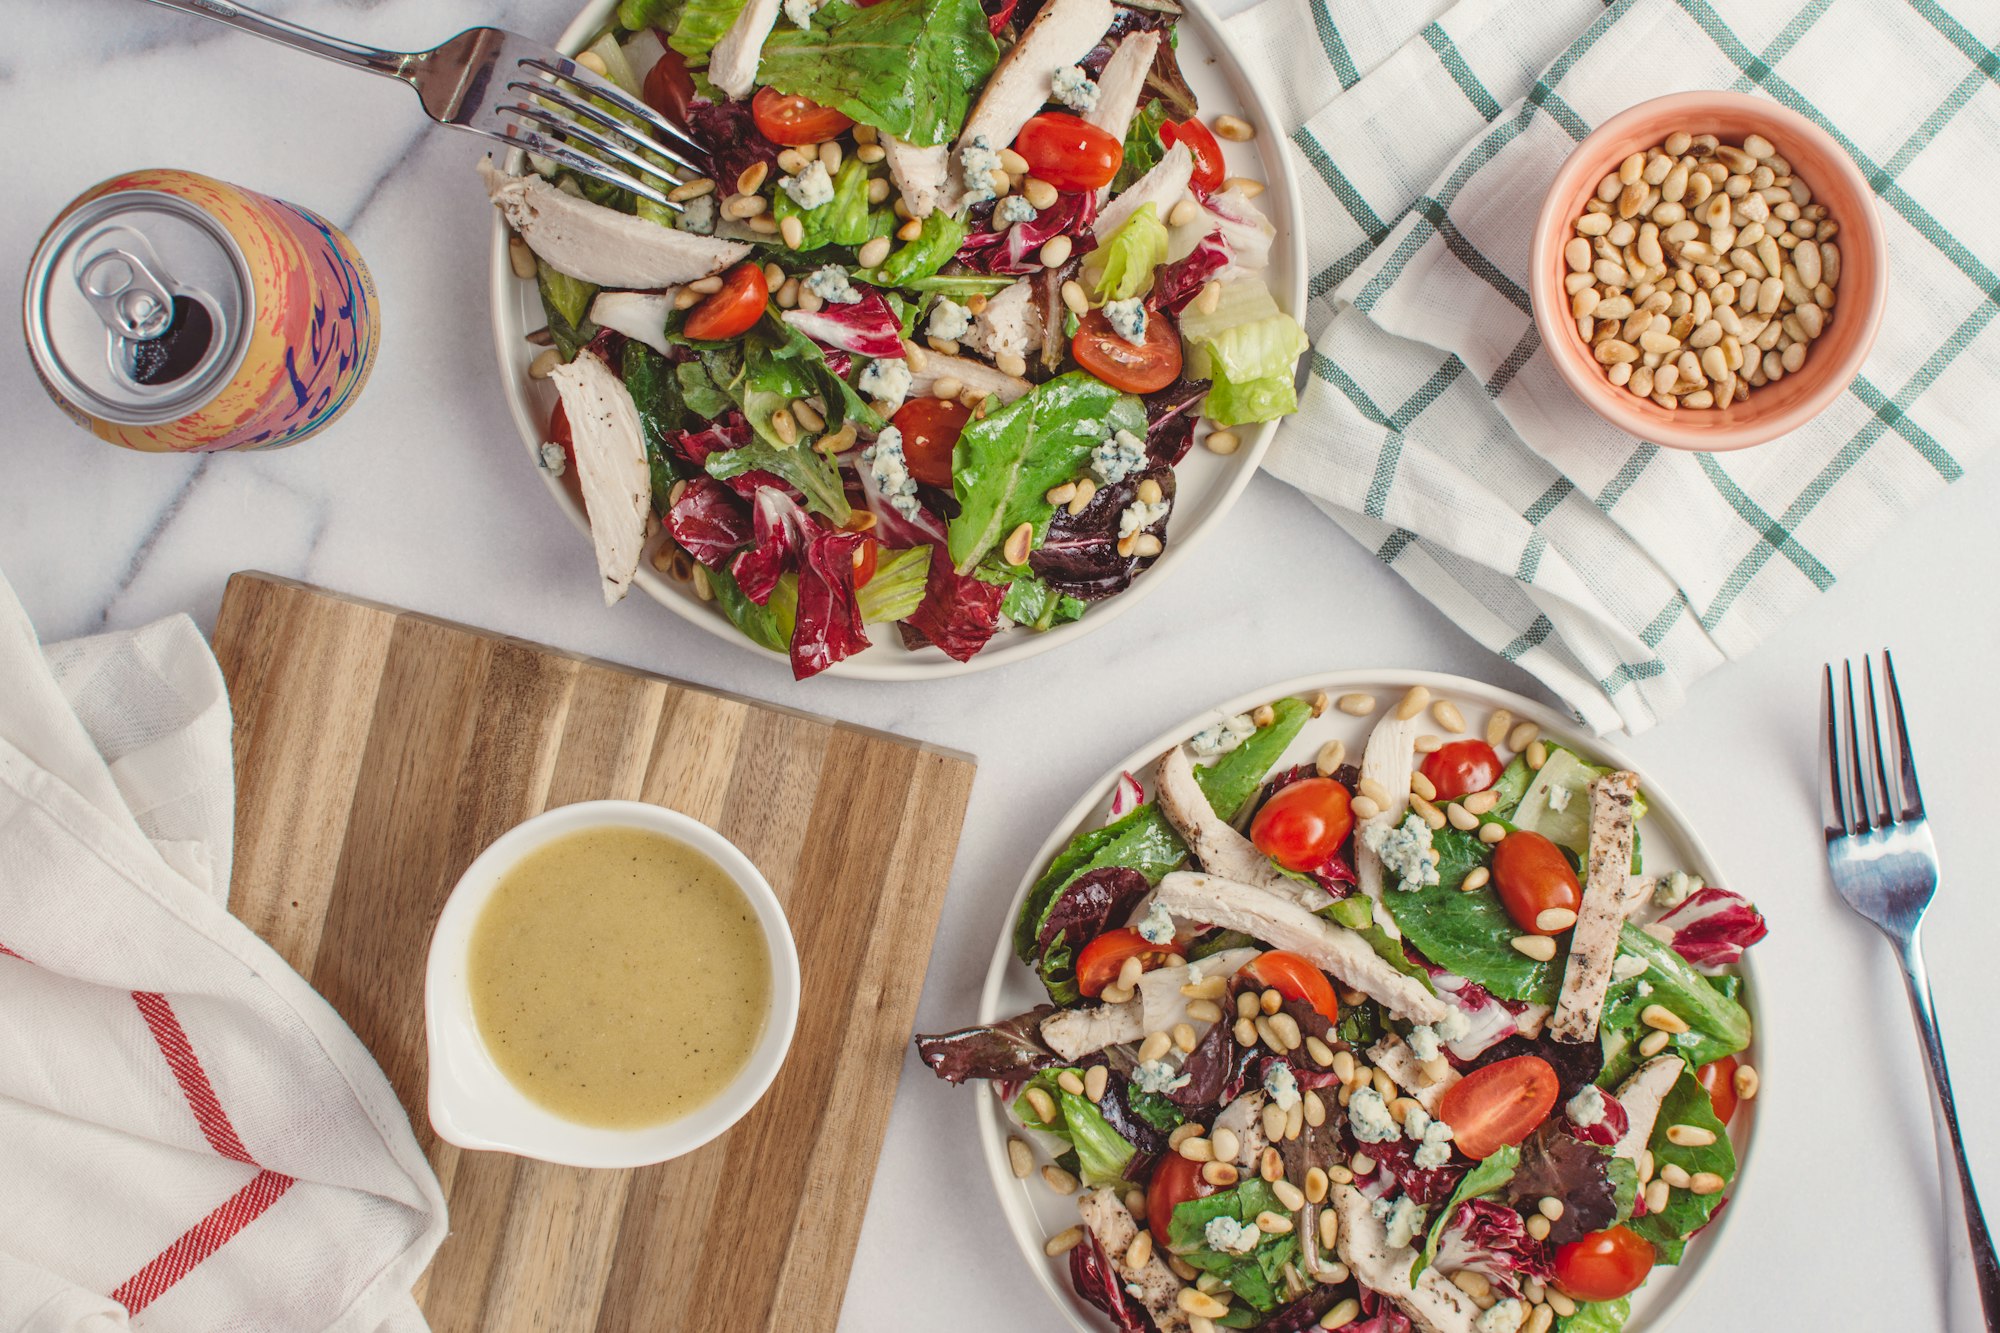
1433 1139
1559 798
553 460
1158 1076
1157 926
1128 319
949 320
1226 1235
1014 208
1587 1107
1368 1116
888 382
1403 1218
1424 1042
1676 888
830 284
1118 457
1505 1317
1223 737
1139 516
891 471
1282 1086
1405 851
978 161
800 12
1073 88
698 216
811 188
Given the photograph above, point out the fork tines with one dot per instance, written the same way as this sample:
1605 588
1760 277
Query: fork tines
602 152
1857 793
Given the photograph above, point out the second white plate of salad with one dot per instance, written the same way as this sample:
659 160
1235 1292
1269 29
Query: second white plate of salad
1379 1001
983 315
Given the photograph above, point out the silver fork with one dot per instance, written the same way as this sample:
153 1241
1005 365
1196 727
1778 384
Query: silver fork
1885 866
524 93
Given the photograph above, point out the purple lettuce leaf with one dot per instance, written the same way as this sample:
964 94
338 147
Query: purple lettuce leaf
1383 1314
1575 1063
1089 905
1079 556
1559 1164
1097 1281
1017 249
1006 1049
1180 282
1396 1172
1170 419
1303 1314
729 131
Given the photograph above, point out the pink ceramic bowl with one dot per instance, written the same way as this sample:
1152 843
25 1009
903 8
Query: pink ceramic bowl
1836 355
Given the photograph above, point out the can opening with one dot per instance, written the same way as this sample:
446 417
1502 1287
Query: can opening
176 352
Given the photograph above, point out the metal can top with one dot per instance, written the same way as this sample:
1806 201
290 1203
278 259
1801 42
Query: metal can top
138 307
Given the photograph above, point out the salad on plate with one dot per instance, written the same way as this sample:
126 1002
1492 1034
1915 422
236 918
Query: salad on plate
965 281
1419 1044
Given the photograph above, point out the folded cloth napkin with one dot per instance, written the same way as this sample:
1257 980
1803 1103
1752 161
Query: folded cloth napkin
190 1138
1433 427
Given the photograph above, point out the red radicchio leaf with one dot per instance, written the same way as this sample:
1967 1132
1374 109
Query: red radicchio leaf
1005 1049
1383 1314
1127 796
1489 1238
709 521
1096 1281
731 432
959 613
1079 556
1396 1172
1091 902
1181 281
729 131
1017 249
829 620
1714 926
1489 1021
1606 1131
866 327
997 14
779 531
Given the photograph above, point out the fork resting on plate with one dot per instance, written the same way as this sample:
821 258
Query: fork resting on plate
1885 866
522 92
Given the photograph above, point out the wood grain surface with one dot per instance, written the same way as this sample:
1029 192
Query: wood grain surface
378 751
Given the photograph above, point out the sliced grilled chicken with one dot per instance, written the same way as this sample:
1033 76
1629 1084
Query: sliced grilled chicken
918 173
610 466
1244 1118
1284 924
1393 1056
1532 1019
1161 187
1434 1304
641 316
1593 943
1390 759
1010 325
601 245
1215 842
1641 1096
1075 1033
1061 35
969 372
732 66
1119 86
1160 1000
1154 1285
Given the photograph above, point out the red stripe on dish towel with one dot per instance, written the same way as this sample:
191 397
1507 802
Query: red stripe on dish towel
201 1240
200 1093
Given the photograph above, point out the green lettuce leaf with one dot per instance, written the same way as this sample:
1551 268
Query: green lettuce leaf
765 625
1597 1317
898 585
1102 1153
841 220
1035 604
1686 1103
1249 350
1471 933
1514 780
1005 463
907 67
699 393
662 14
703 24
1137 248
566 303
918 261
1485 1178
1255 1277
1232 780
1143 149
657 396
1717 1024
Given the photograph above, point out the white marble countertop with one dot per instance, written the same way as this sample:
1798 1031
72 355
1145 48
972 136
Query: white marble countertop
422 496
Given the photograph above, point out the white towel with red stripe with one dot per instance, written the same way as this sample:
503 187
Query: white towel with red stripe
190 1137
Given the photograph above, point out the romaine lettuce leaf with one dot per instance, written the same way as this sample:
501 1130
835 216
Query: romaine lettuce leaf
766 626
1597 1317
1717 1024
566 303
1470 933
842 220
1250 351
699 393
919 260
908 67
1005 463
1256 1276
1131 254
898 585
1143 149
1686 1103
703 24
1102 1153
636 14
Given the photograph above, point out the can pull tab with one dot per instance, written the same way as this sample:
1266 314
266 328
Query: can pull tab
122 277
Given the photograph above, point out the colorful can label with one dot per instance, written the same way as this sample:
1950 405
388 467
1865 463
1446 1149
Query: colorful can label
170 312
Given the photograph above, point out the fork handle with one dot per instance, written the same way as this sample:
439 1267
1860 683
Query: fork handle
394 64
1972 1292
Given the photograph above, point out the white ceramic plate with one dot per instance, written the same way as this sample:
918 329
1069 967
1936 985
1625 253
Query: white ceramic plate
1206 484
1034 1213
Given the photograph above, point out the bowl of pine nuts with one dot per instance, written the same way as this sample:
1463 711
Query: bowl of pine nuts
1708 271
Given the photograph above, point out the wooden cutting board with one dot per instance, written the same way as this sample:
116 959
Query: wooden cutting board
378 751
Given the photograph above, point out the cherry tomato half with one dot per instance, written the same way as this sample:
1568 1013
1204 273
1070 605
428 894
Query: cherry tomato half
1500 1104
733 310
560 433
1533 876
1604 1265
1104 957
1296 979
865 559
930 429
1068 151
1719 1078
1175 1180
1303 824
1201 145
795 121
668 88
1153 364
1462 767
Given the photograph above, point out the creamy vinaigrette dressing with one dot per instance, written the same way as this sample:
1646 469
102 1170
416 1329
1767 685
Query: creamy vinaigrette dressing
619 977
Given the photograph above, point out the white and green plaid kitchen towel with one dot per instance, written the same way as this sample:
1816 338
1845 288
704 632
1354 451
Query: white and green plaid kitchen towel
1434 429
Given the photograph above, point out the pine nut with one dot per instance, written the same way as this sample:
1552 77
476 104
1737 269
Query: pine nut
1235 129
1210 298
1664 1019
1491 833
1043 1105
1154 1047
1219 1174
1020 1157
1295 1120
1070 1083
545 363
1536 754
1384 1085
1653 1043
1246 1032
1344 1066
593 62
1429 744
1184 1037
1355 705
1182 213
1094 1080
1401 1107
1538 947
1475 878
1705 1182
1267 1034
1086 490
1538 1227
1747 1083
1270 1001
1675 1175
1274 1121
1195 1302
1423 786
910 230
792 232
1330 757
1039 193
1427 812
1286 1029
1554 920
1183 1270
1196 1149
1344 1312
521 257
1447 715
1063 1241
1288 1194
1190 1129
1413 703
1645 1166
1224 1144
1204 1011
1250 189
1055 251
1461 818
1690 1136
1365 807
785 426
1059 1180
1658 1196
